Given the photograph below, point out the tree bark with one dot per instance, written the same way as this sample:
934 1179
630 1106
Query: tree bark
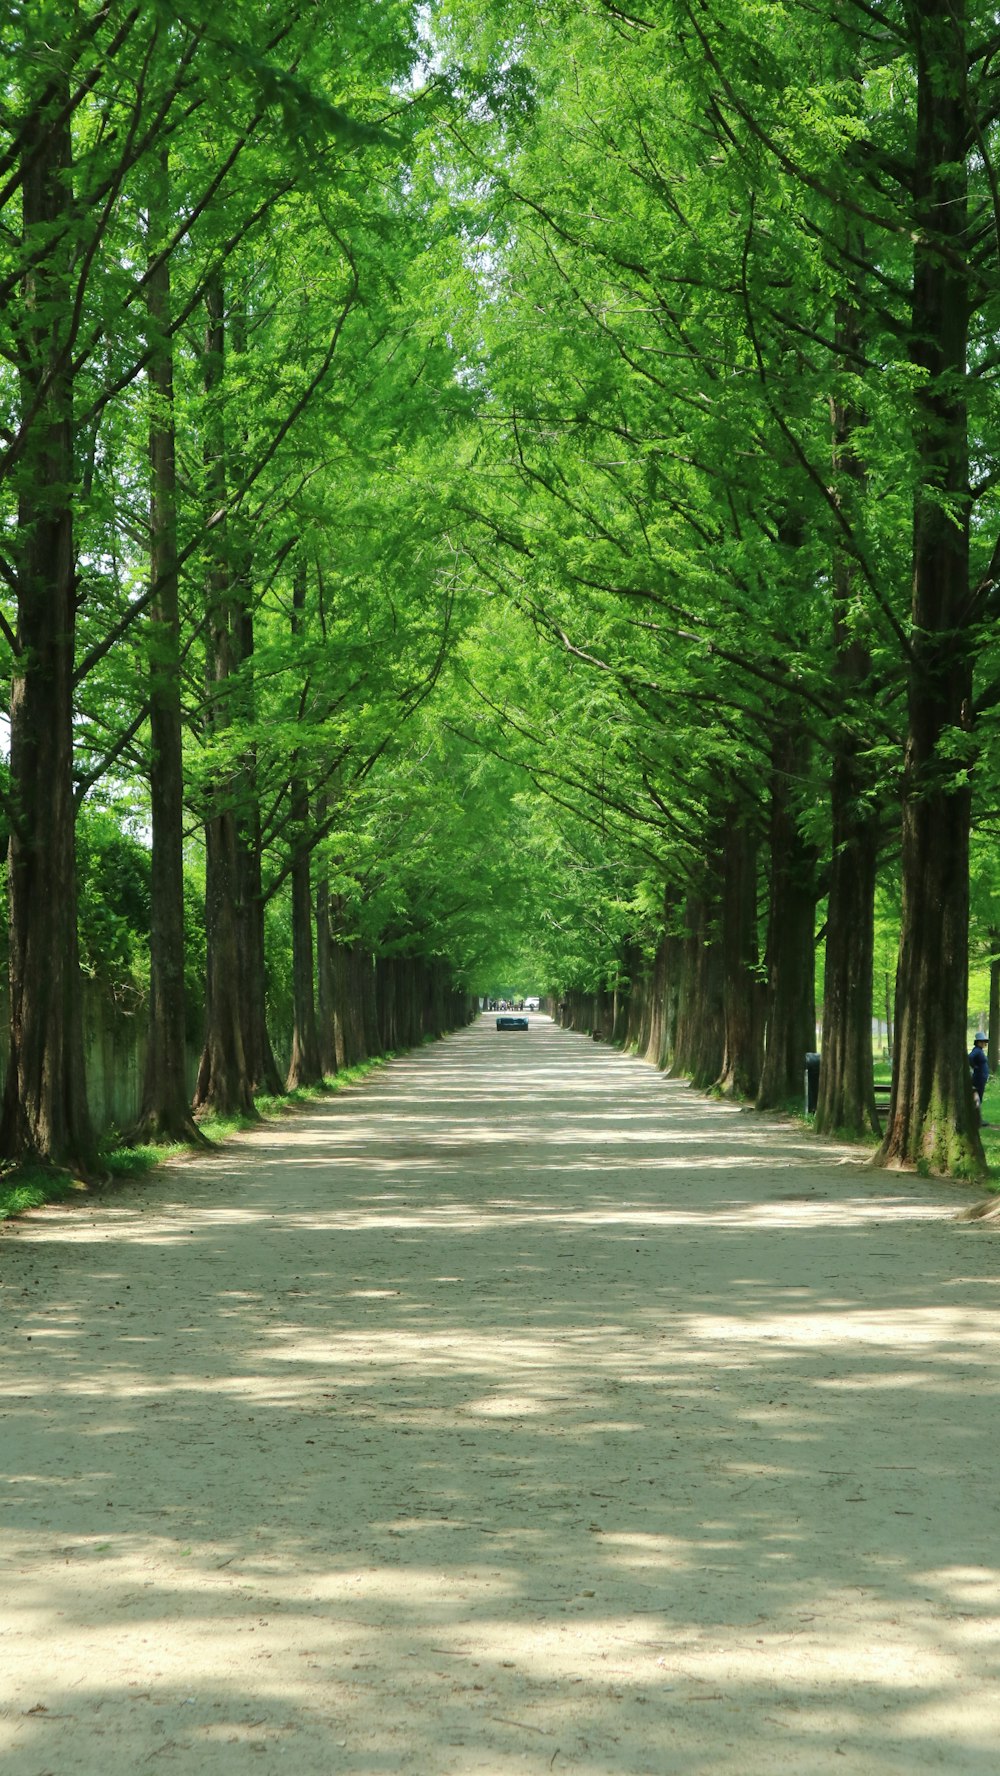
699 1046
305 1067
165 1109
326 1014
343 1046
743 1053
790 1026
846 1102
262 1068
374 1044
224 1087
630 994
349 1031
660 1032
45 1115
931 1117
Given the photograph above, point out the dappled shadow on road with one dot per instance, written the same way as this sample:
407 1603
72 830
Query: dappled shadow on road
521 1410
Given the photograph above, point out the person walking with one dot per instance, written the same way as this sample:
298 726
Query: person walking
980 1069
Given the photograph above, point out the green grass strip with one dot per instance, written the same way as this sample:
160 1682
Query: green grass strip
31 1187
267 1105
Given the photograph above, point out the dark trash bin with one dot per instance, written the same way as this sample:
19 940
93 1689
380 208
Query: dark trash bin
812 1083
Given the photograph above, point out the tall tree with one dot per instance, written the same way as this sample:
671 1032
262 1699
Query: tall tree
931 1115
305 1067
45 1114
223 1080
165 1111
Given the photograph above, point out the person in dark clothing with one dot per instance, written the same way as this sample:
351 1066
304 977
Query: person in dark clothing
979 1067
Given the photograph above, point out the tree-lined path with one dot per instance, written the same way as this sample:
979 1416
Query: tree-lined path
519 1411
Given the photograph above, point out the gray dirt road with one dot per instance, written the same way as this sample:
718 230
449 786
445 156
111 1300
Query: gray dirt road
518 1412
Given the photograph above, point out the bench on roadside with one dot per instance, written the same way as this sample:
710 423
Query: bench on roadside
881 1087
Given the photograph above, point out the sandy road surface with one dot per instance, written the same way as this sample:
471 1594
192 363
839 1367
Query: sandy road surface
520 1411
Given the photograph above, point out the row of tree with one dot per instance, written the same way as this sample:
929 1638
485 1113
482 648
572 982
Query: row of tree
735 281
510 490
227 586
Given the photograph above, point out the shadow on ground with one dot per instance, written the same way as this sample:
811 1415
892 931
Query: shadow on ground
521 1410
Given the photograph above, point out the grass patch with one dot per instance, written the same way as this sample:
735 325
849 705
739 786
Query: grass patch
219 1128
334 1082
274 1104
268 1104
134 1162
30 1187
352 1075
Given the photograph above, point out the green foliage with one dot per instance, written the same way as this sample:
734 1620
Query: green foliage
113 901
114 912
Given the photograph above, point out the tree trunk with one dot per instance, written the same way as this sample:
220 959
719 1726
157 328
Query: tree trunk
644 1007
325 978
365 1042
623 1009
45 1115
742 1057
931 1118
339 971
413 977
659 1038
262 1068
632 992
437 1016
165 1109
223 1087
790 1028
846 1103
388 1001
305 1067
351 970
699 1045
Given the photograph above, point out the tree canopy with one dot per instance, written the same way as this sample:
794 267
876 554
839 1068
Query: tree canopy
500 496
